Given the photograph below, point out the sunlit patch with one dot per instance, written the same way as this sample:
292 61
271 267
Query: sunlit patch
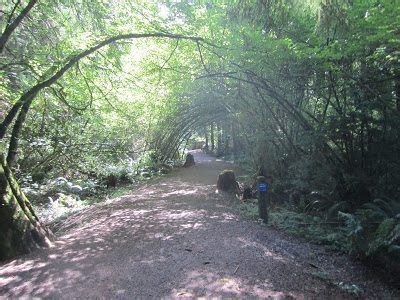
9 279
228 216
180 192
179 215
184 294
264 250
267 291
120 292
28 265
207 284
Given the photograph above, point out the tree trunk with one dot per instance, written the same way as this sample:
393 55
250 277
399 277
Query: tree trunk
227 139
397 91
14 140
219 140
20 229
234 140
12 26
212 137
206 136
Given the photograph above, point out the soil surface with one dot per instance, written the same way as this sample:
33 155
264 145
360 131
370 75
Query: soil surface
177 237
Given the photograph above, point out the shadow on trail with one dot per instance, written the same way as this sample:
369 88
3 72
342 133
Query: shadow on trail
171 238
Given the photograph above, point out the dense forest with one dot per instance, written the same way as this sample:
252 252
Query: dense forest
103 93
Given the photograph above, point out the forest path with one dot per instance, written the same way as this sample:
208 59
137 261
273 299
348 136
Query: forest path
175 237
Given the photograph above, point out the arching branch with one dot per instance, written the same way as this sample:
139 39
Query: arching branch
31 93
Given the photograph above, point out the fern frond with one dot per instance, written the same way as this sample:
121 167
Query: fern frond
384 205
332 212
379 212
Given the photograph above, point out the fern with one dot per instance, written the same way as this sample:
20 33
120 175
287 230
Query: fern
378 213
394 250
394 236
380 237
332 212
388 207
355 233
352 223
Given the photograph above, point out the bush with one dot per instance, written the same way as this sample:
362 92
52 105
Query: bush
59 205
313 228
373 232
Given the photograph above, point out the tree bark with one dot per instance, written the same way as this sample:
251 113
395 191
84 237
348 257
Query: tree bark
13 147
212 137
12 26
397 91
20 229
219 140
235 142
206 136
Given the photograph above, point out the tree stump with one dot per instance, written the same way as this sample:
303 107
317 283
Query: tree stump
227 182
189 160
111 181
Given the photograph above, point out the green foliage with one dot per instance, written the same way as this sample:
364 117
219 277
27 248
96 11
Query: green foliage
348 288
380 236
358 234
372 231
250 209
354 233
312 228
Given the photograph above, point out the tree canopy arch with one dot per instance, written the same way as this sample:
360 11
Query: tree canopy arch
21 228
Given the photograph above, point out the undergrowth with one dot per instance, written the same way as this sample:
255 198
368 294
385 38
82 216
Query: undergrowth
313 228
371 234
56 199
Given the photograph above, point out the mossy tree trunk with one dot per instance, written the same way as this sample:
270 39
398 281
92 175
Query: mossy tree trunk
20 229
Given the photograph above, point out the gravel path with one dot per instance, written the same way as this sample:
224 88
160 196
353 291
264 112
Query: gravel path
174 238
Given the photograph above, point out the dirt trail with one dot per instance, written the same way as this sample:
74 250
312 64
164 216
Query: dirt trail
177 238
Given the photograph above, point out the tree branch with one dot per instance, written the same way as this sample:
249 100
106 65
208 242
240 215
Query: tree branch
12 26
31 93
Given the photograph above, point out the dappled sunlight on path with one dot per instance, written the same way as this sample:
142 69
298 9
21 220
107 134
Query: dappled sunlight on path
171 238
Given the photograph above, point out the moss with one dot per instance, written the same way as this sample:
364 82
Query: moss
20 230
